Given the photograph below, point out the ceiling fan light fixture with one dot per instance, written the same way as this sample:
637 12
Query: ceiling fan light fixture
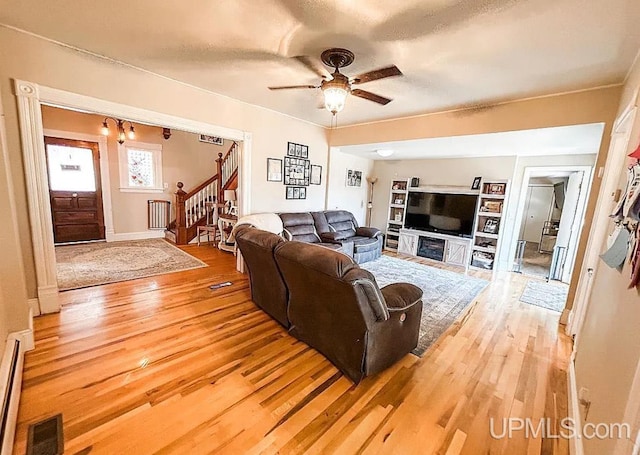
334 98
384 152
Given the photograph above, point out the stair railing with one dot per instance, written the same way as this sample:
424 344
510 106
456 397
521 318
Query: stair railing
191 208
227 168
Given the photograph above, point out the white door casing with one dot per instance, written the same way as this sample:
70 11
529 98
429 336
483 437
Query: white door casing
30 97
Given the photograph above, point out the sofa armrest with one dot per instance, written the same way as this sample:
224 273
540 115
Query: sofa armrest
401 296
368 232
334 237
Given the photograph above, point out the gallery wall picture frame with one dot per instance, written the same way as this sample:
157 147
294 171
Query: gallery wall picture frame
296 192
215 140
297 171
274 170
476 183
316 175
354 178
297 150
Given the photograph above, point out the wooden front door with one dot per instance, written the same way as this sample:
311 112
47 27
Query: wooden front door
75 190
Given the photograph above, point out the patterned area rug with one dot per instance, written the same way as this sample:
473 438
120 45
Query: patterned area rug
446 294
545 295
92 264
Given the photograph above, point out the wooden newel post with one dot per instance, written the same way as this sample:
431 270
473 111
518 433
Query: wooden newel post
219 197
181 215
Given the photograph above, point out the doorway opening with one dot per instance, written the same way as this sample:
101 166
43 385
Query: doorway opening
31 100
553 208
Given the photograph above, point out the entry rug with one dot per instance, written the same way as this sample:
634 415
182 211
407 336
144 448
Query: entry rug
92 264
445 294
546 295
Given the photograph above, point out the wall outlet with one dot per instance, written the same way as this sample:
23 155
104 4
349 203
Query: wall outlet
165 185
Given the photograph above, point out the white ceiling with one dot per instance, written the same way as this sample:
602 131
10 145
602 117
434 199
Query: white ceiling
562 140
453 52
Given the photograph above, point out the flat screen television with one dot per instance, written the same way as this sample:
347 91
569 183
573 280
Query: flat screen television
445 213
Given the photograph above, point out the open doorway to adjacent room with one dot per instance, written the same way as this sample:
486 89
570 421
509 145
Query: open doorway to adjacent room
553 208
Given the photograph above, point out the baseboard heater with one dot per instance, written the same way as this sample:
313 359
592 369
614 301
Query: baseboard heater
10 387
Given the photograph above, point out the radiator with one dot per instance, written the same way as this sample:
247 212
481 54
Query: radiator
158 213
10 385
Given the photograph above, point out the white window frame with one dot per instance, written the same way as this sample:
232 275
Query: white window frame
123 162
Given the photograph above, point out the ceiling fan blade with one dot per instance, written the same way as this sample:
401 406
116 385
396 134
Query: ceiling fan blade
370 96
287 87
314 66
374 75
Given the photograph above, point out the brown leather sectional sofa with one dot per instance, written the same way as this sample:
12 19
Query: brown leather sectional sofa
326 300
336 229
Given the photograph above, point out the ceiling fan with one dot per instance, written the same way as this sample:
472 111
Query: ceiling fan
336 86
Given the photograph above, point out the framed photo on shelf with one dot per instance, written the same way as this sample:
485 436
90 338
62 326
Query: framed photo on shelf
274 170
476 183
491 206
497 188
490 226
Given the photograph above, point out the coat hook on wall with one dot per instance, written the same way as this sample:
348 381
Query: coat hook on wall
166 133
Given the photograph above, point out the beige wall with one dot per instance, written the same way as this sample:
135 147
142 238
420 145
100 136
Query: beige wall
341 196
36 60
13 290
184 159
609 349
592 106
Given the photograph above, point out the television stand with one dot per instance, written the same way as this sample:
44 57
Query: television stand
450 249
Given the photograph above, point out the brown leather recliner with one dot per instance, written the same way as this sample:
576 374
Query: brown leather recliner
337 308
268 289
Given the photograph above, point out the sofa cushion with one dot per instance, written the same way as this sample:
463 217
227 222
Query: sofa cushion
320 220
300 227
362 244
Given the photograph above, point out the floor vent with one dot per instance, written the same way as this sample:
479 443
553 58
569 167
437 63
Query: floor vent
45 437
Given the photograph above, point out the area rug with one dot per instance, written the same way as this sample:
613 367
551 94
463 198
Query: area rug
445 294
92 264
545 295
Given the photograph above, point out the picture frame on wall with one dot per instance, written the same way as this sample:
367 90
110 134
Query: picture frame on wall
291 149
476 183
296 171
316 175
296 192
354 178
215 140
274 170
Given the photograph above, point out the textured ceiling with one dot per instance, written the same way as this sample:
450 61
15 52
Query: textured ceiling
453 52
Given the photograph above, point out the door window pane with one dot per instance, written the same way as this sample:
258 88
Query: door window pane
71 168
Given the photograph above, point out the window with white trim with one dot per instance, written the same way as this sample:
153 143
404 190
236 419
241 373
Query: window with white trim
140 167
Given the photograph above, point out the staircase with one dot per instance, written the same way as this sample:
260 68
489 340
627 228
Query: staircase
190 206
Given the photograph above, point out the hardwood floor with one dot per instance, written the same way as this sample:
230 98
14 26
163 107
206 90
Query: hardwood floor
165 365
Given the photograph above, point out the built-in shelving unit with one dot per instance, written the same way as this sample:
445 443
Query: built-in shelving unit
488 232
397 209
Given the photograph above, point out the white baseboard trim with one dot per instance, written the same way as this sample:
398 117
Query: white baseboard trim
564 317
11 383
34 306
48 299
575 444
156 234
